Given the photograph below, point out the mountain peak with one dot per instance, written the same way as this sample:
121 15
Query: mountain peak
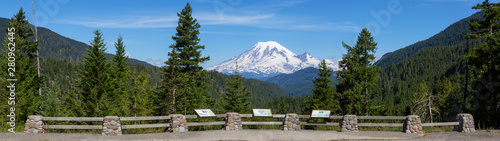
266 59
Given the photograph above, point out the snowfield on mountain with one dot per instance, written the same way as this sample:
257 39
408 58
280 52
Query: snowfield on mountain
267 59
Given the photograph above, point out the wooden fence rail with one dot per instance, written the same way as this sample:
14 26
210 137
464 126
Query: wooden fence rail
72 118
224 123
441 124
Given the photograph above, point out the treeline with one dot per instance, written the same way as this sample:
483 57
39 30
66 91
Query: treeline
429 76
452 72
459 77
99 84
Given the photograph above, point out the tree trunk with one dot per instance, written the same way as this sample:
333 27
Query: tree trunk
495 109
430 109
135 109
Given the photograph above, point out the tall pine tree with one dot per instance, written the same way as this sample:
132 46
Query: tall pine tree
323 95
121 92
23 69
94 78
485 60
185 83
357 75
236 96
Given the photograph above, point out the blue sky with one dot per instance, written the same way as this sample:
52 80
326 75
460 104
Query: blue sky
230 27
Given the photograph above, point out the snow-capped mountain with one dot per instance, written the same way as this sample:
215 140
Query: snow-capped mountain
267 59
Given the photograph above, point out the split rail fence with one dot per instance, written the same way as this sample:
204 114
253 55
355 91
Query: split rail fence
111 125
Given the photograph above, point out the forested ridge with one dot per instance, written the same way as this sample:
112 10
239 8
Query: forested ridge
82 80
62 60
452 35
299 82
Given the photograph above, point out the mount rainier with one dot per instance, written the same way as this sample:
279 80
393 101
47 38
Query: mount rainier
268 59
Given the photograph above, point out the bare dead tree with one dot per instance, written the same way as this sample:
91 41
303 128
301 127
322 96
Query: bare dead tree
37 55
424 107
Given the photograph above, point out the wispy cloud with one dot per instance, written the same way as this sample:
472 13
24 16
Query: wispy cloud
340 26
129 21
127 54
290 3
155 61
264 16
213 19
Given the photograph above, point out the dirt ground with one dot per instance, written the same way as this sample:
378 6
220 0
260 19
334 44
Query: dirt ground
259 135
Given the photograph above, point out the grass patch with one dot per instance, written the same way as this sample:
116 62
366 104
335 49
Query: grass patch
438 128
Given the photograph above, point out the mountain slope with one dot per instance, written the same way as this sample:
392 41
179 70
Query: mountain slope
439 66
61 59
267 59
452 35
57 46
299 82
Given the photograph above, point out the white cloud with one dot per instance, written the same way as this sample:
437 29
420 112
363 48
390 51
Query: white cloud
341 26
124 22
214 19
156 61
127 54
262 16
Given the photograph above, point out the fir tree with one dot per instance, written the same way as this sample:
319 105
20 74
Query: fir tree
236 96
120 59
357 76
143 95
24 72
185 80
94 78
171 84
485 60
323 96
121 74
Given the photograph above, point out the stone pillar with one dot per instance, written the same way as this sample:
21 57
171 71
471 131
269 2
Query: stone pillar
177 124
233 122
465 123
291 122
34 124
111 126
349 123
413 125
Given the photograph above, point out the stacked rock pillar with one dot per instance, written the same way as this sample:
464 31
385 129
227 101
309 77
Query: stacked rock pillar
177 124
349 123
111 126
233 121
465 123
413 125
291 122
34 124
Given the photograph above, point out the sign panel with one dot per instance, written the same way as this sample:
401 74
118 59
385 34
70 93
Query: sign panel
203 113
262 113
320 114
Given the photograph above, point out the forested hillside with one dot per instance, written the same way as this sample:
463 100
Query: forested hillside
79 79
57 46
452 35
62 58
62 62
435 66
299 82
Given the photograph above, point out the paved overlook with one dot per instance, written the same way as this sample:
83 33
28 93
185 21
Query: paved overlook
260 135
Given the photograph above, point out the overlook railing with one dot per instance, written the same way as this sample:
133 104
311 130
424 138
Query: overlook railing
176 123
